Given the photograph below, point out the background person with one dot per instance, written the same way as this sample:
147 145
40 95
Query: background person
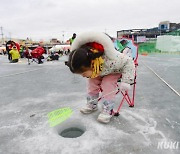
14 54
72 38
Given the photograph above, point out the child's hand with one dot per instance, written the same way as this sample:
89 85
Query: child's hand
124 86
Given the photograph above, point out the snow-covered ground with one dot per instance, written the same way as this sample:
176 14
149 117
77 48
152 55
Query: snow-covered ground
29 92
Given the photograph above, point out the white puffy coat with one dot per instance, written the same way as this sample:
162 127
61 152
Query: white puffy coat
114 61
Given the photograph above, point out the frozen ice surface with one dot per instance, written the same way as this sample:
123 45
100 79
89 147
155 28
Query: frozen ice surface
29 92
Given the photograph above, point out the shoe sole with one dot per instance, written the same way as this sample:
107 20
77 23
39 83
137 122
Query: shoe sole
102 121
88 112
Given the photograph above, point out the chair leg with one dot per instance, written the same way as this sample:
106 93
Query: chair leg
131 103
127 98
117 112
133 97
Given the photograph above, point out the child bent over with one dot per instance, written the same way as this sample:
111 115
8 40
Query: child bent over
93 56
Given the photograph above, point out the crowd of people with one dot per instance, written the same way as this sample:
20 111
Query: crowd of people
15 51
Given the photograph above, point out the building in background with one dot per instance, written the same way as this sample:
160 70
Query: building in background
142 35
55 41
166 26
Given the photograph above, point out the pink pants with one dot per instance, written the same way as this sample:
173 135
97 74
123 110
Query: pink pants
107 84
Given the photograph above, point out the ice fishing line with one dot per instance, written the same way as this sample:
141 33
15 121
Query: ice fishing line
59 115
163 80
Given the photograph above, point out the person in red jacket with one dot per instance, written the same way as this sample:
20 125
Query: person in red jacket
38 54
15 44
9 46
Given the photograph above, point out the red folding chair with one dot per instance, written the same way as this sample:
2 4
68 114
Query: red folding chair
126 96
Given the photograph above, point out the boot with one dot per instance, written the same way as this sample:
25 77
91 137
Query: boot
106 114
91 106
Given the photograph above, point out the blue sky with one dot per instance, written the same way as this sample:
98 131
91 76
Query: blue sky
45 19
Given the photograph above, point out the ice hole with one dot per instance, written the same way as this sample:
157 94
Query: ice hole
71 128
72 132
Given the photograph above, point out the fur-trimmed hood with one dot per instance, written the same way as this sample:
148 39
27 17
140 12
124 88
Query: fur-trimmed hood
97 37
